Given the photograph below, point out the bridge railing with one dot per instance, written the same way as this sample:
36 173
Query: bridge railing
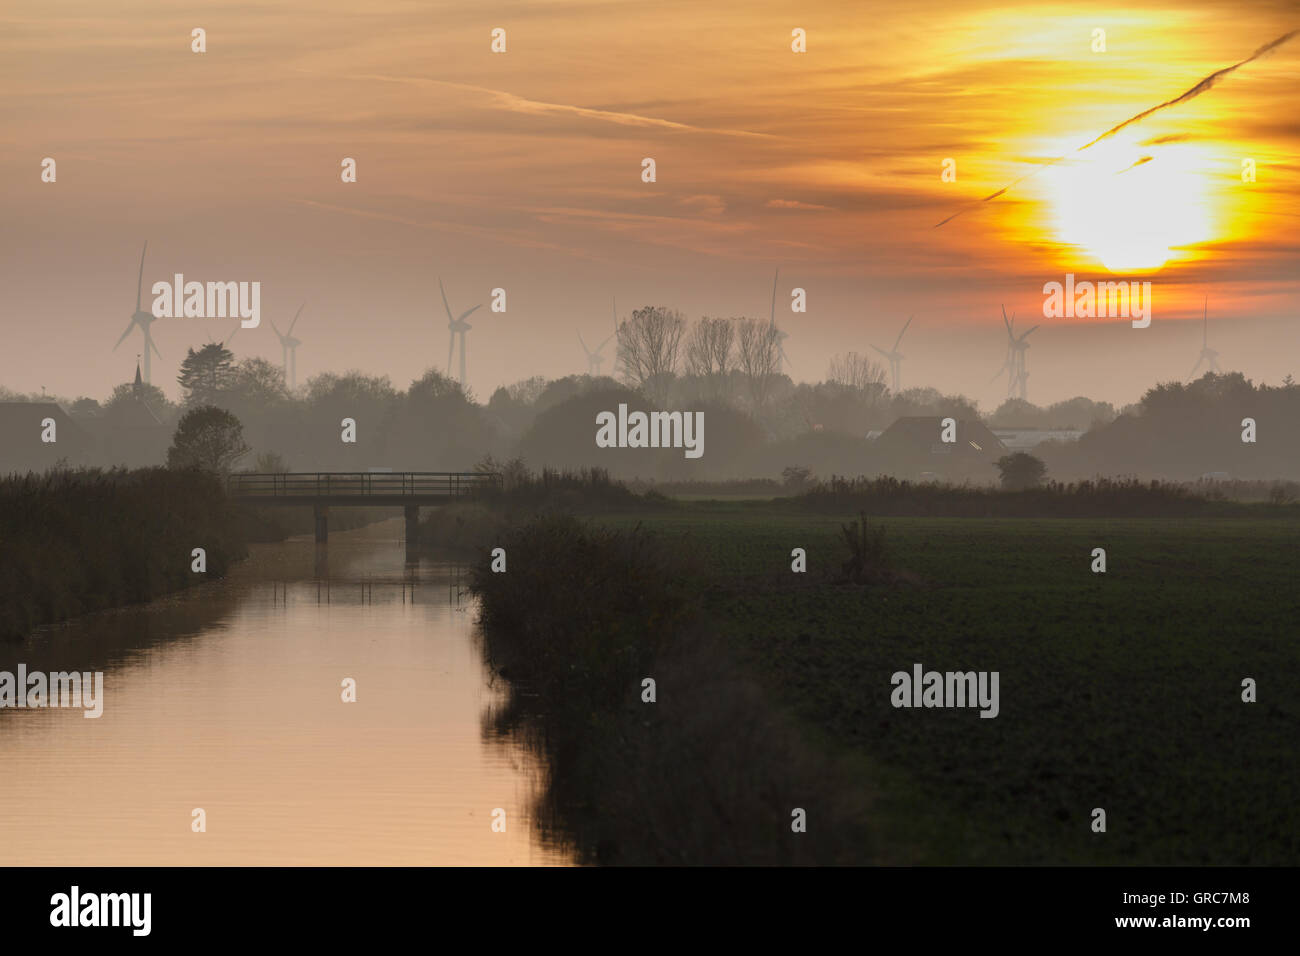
395 485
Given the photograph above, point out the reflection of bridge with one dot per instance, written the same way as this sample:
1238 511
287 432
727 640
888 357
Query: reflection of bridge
402 489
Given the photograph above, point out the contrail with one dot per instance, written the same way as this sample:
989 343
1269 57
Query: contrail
1203 86
1196 90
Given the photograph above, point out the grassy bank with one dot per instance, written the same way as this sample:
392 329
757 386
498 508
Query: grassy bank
1119 690
81 541
709 772
1099 497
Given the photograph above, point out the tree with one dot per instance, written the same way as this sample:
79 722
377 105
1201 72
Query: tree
647 349
207 373
856 371
759 356
128 394
259 383
1020 471
209 438
708 349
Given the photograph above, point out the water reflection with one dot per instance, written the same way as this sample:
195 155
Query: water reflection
228 697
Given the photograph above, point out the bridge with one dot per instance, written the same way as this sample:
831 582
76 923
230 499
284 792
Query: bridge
371 489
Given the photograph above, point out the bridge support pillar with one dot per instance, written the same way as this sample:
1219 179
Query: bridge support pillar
412 530
322 515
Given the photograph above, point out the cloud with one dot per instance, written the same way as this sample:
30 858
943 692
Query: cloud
708 205
795 204
518 104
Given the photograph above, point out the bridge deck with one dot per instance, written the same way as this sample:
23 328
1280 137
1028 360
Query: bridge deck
359 488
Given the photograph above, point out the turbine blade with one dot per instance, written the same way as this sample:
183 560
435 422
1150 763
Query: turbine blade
900 334
1192 374
295 319
1025 335
139 282
467 312
603 344
448 308
149 338
775 276
883 352
584 345
129 326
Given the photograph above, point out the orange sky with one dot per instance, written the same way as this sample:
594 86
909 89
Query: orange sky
522 170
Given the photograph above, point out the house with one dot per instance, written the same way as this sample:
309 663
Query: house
915 444
25 432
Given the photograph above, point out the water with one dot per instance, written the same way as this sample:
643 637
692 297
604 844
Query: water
227 697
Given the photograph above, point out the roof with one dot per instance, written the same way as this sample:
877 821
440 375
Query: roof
922 433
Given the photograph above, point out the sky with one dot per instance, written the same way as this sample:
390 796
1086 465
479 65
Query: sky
522 170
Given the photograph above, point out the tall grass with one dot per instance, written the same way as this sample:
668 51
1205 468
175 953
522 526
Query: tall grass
580 619
72 542
1099 497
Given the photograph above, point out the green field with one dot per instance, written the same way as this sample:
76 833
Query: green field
1119 690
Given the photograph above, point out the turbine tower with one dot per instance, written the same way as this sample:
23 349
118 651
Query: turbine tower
142 319
594 359
288 350
894 356
1014 364
454 326
772 329
1208 355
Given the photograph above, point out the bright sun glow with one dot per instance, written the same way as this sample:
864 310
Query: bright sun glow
1127 205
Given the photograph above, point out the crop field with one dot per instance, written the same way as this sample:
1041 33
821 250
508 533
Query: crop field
1119 690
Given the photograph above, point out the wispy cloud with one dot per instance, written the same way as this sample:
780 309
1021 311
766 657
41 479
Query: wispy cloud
795 204
518 104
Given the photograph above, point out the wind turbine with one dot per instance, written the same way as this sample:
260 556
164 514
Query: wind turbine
142 319
288 350
454 326
594 359
1014 365
896 357
780 336
1208 355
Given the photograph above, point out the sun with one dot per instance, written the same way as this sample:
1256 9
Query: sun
1130 206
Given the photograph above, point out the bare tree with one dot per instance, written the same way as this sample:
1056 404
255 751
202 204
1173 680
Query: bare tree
708 352
648 343
759 358
857 372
